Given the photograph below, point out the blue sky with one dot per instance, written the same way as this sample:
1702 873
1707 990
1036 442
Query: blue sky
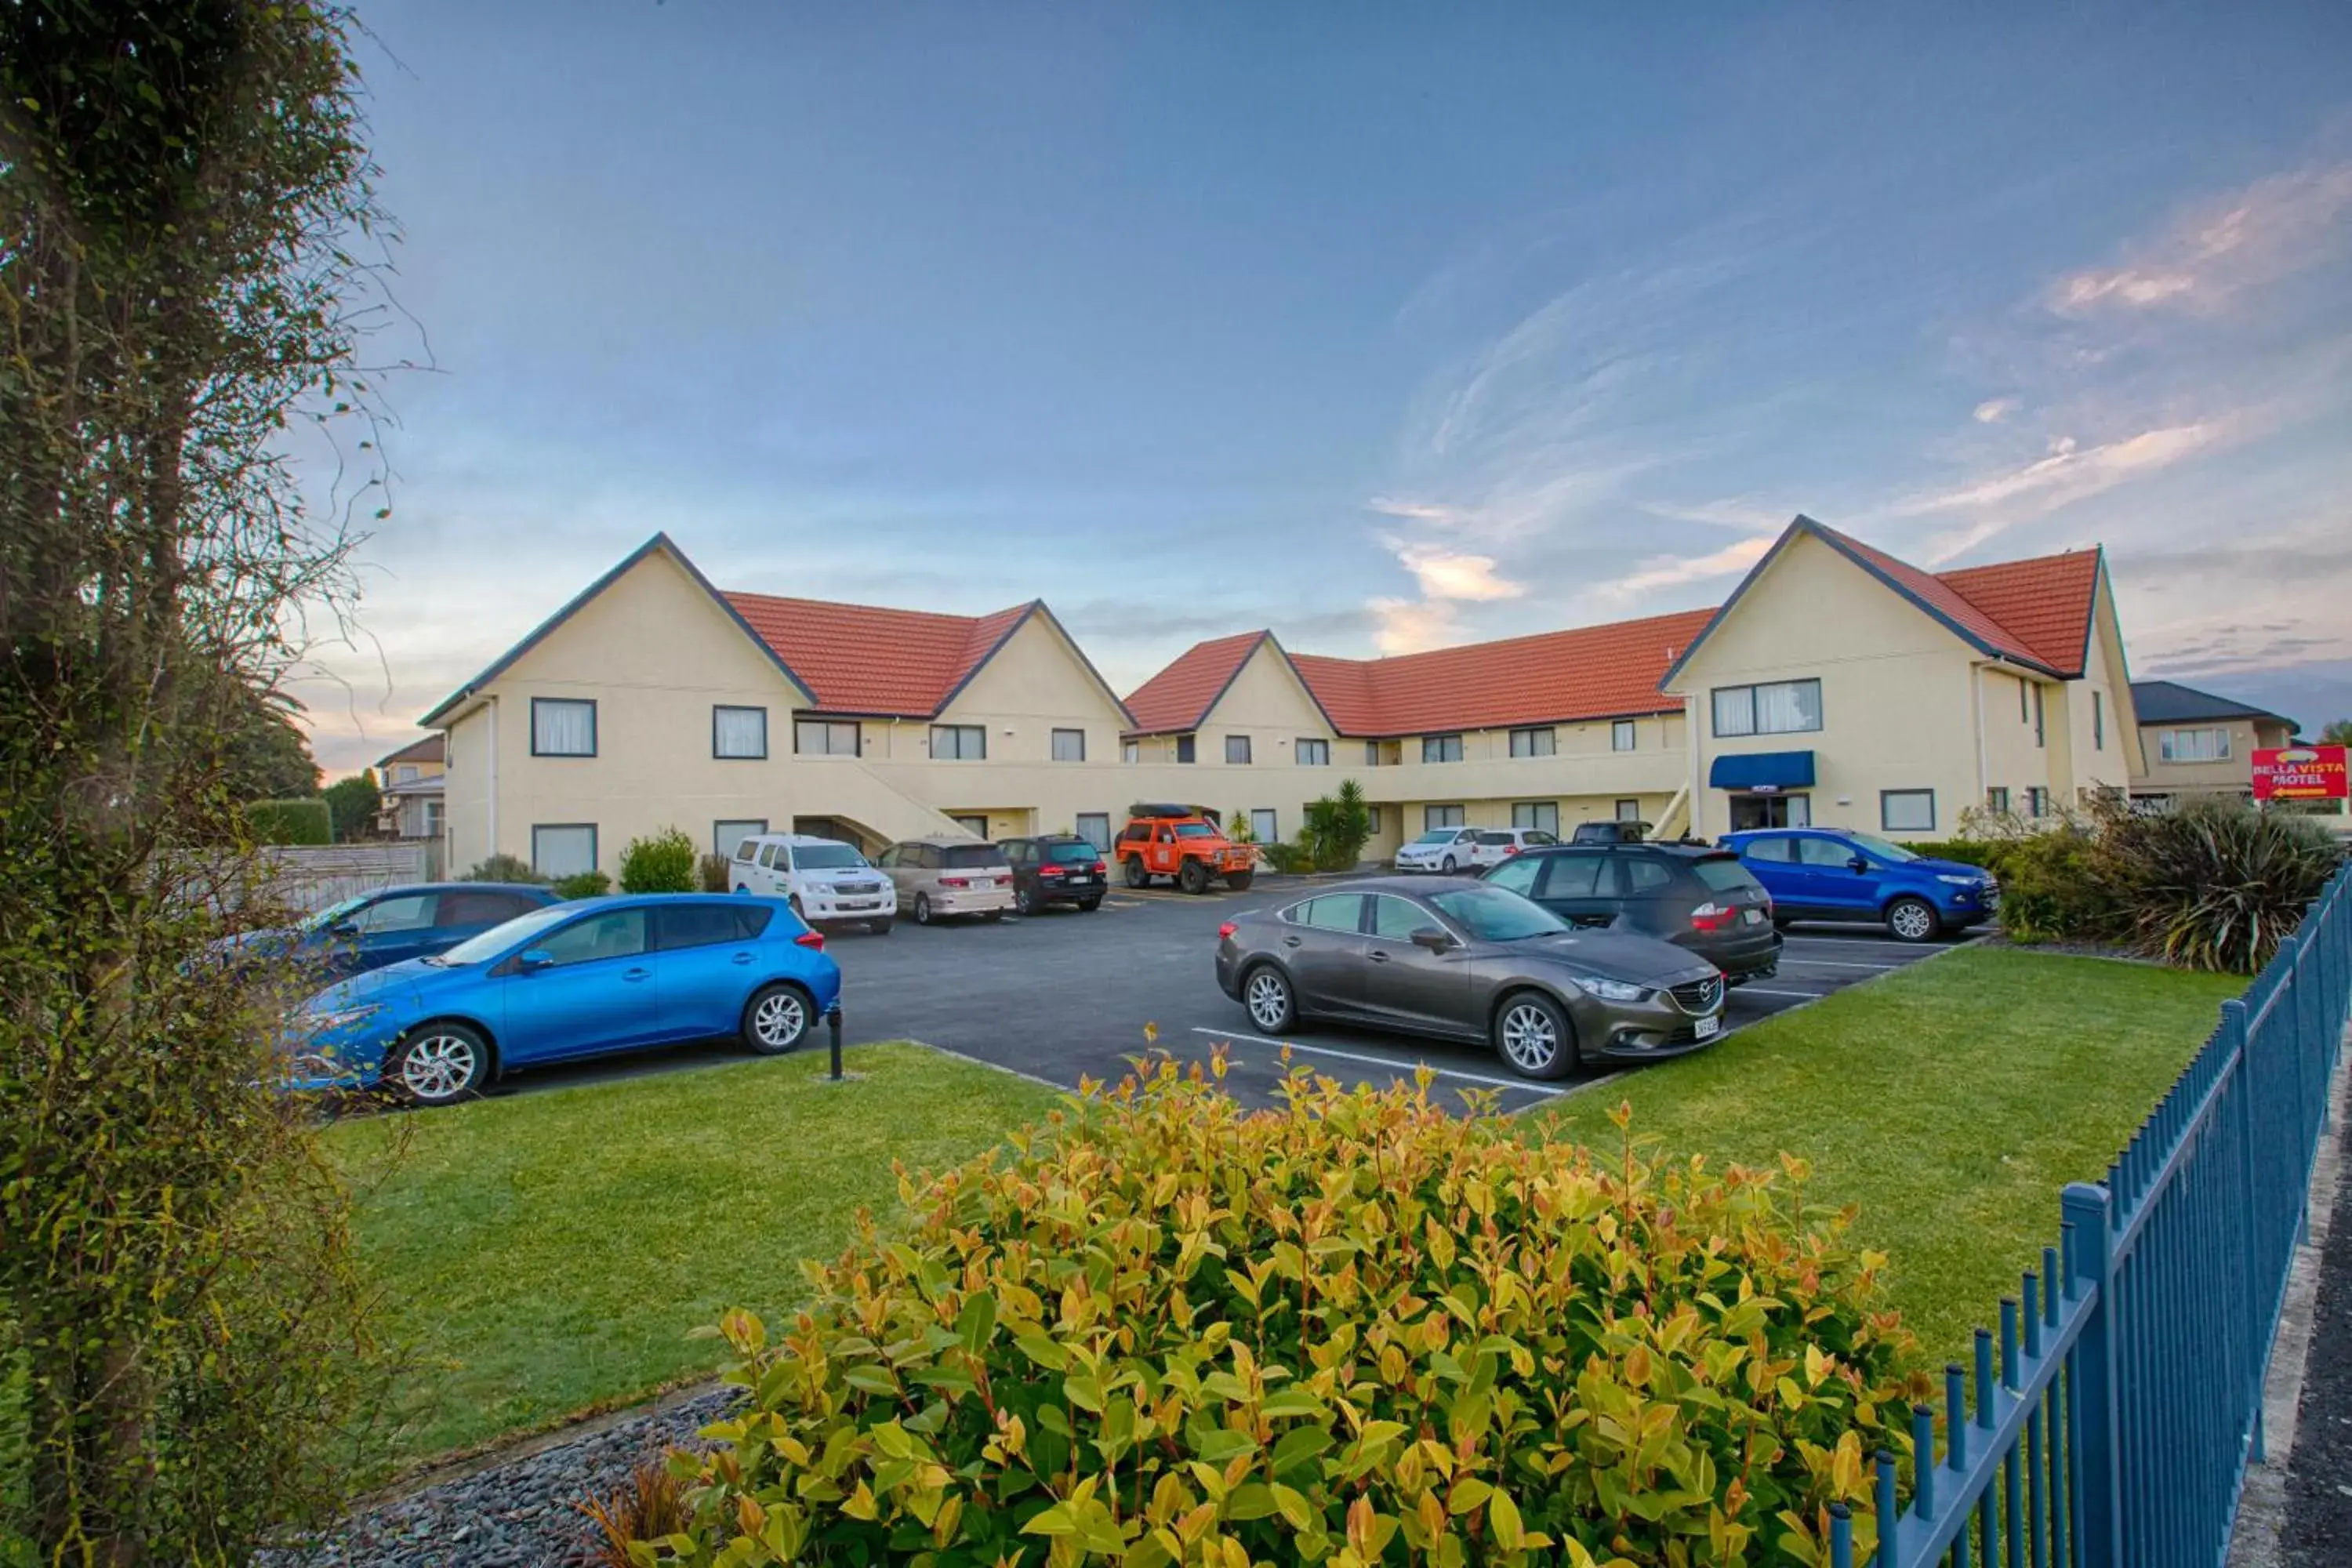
1387 325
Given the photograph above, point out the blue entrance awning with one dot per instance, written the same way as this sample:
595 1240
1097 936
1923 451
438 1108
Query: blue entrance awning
1767 771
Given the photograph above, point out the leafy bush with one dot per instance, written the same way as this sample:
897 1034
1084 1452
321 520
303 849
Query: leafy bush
1355 1328
651 1504
664 862
289 822
1338 828
1287 859
2052 886
1965 852
583 885
1238 829
713 871
2215 884
502 868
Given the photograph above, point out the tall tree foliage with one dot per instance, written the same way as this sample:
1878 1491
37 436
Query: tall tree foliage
179 182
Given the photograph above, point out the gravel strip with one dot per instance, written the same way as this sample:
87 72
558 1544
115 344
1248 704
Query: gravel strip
519 1514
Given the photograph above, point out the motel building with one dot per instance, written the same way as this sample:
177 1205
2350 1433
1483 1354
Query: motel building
1837 686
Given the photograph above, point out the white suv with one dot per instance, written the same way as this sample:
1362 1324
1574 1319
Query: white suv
1496 845
827 881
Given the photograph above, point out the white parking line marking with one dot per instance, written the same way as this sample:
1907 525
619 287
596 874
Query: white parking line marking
1833 963
1921 948
1408 1068
1801 996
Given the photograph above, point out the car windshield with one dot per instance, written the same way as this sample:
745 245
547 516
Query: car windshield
1893 854
498 939
824 856
1072 853
1195 830
341 908
1438 835
1495 914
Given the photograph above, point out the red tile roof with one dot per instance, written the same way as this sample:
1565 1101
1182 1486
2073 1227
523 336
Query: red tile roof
857 659
2044 604
1938 596
1180 696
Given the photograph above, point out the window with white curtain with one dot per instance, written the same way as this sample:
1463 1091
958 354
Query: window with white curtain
1313 753
1440 748
1907 810
563 849
739 733
1535 742
1264 827
1775 708
2193 746
1542 815
727 834
959 743
1237 749
1441 816
1069 745
562 727
1093 826
1629 811
825 737
1621 735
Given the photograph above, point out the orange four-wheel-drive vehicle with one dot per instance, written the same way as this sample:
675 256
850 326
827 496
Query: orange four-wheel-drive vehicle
1183 842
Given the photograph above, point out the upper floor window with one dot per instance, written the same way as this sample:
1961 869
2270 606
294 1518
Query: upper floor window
1131 752
1313 753
739 732
1441 748
821 738
2193 745
1534 742
1069 745
562 727
405 774
2040 735
1776 707
1187 748
2098 721
959 743
1371 753
1621 735
1237 749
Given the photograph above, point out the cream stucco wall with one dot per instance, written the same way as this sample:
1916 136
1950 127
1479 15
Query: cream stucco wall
1895 690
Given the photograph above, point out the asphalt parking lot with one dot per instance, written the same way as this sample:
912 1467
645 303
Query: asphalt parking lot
1064 995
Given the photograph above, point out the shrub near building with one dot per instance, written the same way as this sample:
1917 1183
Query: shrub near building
1354 1328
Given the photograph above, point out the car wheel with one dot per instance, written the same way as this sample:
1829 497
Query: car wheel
1137 877
1192 878
922 909
1533 1035
1090 905
1267 994
1448 866
438 1064
1024 902
1912 920
776 1019
880 927
1239 881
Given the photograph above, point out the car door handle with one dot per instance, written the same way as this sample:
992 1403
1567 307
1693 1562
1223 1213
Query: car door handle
1292 941
742 958
1377 956
637 975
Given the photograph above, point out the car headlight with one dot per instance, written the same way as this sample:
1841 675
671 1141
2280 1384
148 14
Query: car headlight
1960 881
1611 990
343 1018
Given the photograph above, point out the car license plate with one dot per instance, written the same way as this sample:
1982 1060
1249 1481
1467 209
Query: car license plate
1708 1027
861 904
1752 917
1083 878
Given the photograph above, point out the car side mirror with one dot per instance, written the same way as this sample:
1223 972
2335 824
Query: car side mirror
1859 863
1434 938
343 928
533 960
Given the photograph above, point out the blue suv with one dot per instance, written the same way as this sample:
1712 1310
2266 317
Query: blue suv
1828 874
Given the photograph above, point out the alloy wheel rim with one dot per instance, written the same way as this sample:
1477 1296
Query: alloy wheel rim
1268 1001
1910 920
922 909
779 1020
1528 1037
437 1067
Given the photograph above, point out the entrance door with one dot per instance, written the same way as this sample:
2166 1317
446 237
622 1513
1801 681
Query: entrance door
1754 811
975 825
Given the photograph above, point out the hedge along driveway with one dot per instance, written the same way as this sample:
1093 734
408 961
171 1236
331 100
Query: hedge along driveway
550 1253
1950 1100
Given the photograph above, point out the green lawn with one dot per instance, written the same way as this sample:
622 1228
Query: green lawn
1950 1100
548 1253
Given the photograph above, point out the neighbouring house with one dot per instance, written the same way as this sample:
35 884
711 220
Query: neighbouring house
409 784
1842 687
2197 743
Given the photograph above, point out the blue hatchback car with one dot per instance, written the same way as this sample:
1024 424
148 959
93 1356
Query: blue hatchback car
392 925
573 980
1829 874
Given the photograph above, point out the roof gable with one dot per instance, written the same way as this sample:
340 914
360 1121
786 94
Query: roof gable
431 747
1180 696
872 662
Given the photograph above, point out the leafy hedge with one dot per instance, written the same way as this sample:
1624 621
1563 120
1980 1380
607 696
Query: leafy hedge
664 862
290 822
1355 1330
583 885
503 867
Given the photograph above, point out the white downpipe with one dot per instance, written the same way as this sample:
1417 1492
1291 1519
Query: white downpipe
1690 744
1976 708
490 797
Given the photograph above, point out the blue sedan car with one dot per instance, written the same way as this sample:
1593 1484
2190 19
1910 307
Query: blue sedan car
1829 874
392 925
574 980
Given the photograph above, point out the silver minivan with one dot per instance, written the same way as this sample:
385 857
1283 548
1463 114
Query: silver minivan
938 878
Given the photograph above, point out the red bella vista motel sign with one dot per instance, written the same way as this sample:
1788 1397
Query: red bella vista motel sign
2299 772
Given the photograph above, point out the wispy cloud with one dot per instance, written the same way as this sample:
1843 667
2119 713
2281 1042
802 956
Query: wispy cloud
1664 572
1450 574
1407 625
1993 410
2253 235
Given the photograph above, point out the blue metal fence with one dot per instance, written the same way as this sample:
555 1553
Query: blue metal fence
2114 1417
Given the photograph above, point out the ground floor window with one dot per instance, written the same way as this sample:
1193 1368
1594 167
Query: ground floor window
975 824
728 832
1264 828
1441 816
1907 810
1372 815
1541 814
1093 826
563 849
1997 800
433 819
1752 811
2037 800
1629 811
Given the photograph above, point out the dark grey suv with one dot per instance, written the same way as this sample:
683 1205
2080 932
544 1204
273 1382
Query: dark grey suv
1693 896
1464 961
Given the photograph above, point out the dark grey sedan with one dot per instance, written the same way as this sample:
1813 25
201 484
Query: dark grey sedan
1467 961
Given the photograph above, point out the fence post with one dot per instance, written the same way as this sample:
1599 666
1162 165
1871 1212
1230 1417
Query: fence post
2092 1400
2238 1052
